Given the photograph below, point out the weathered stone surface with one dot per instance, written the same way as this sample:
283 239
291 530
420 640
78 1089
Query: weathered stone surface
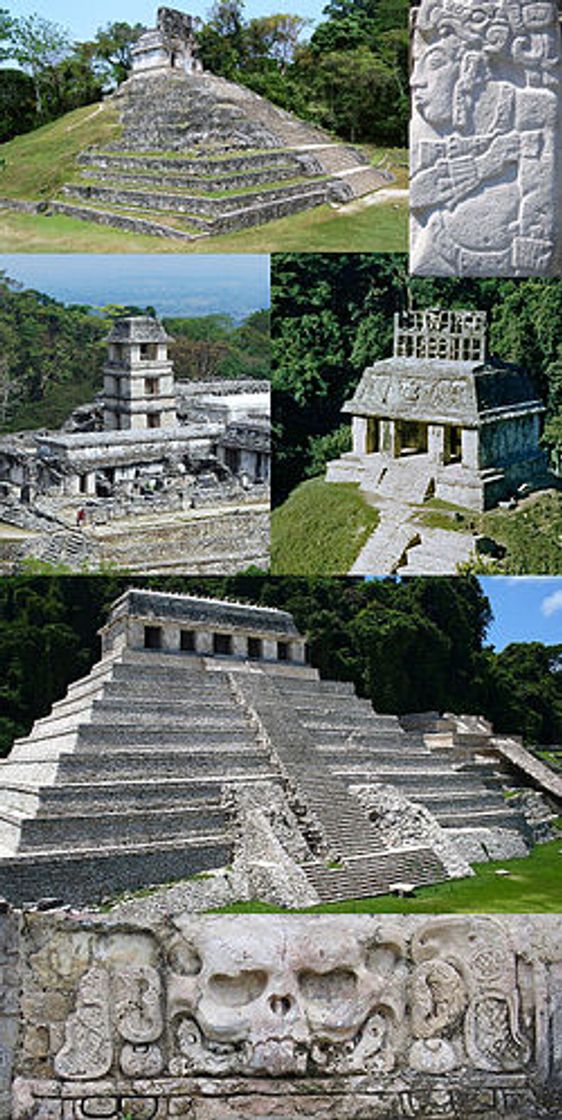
349 1018
485 139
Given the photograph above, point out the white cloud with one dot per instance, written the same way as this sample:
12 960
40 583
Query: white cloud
552 604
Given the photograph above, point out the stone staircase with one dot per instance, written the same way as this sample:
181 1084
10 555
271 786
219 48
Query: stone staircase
359 865
229 159
361 747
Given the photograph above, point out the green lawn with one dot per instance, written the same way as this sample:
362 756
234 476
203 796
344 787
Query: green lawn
379 228
532 887
320 529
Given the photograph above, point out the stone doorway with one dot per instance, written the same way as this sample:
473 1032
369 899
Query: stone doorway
411 437
452 452
372 437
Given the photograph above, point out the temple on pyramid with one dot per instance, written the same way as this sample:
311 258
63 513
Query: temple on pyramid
199 708
200 155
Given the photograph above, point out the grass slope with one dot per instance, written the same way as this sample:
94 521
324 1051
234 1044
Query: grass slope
532 887
320 529
35 165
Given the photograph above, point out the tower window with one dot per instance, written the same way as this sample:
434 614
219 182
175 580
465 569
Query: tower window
153 420
148 351
151 386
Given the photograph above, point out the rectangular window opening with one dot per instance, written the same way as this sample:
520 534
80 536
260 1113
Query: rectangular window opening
187 641
222 643
153 637
282 651
254 649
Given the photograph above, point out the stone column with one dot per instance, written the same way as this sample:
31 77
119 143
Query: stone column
436 442
204 641
390 442
91 484
170 637
269 650
470 441
297 652
239 645
72 485
359 435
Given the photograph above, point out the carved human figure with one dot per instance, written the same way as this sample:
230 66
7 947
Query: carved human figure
268 1001
485 197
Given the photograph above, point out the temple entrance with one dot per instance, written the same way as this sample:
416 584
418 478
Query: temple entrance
372 438
411 437
452 452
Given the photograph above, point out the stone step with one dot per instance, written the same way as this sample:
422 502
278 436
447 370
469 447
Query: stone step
416 781
230 181
196 206
121 795
118 830
487 818
151 224
362 182
81 878
372 875
163 764
199 163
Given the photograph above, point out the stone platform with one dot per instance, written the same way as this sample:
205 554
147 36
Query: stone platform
213 703
201 155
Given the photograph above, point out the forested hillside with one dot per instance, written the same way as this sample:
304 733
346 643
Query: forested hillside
332 315
416 644
52 355
350 74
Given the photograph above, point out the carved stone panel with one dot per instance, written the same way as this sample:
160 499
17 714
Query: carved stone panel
486 190
339 1017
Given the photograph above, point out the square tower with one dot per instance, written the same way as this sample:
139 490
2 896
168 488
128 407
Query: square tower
138 376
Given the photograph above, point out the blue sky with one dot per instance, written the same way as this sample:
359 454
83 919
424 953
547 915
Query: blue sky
83 20
526 609
174 284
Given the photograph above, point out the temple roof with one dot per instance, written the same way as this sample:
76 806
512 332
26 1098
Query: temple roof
197 609
443 391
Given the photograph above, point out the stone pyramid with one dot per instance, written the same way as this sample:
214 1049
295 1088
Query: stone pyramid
201 155
126 782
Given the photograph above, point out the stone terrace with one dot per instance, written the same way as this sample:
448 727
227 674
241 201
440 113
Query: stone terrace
123 784
202 155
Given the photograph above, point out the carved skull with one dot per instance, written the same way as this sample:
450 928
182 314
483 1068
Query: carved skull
276 991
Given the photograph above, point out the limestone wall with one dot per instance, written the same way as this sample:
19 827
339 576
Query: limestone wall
343 1018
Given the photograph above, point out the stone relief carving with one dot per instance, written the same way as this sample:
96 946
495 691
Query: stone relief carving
88 1050
413 1011
485 196
276 1005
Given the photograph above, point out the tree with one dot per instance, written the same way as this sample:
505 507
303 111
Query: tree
37 45
17 104
275 37
110 51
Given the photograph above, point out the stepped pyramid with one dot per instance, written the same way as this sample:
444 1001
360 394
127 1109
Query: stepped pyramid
124 783
203 155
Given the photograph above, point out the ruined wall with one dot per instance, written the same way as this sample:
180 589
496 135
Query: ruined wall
343 1018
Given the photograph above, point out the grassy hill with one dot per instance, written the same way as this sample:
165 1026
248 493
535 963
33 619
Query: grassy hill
320 529
35 165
